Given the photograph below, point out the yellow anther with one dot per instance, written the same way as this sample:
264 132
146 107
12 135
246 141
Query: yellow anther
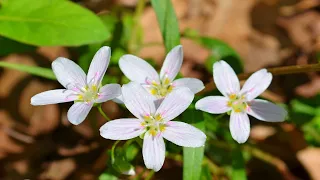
232 96
80 97
170 88
154 83
143 124
237 110
162 127
94 88
147 118
166 81
158 117
229 103
153 91
153 132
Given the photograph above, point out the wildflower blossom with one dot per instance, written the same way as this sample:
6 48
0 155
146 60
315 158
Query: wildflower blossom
241 102
154 124
140 71
83 90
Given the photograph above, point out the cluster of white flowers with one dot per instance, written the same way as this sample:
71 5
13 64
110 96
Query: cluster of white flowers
156 99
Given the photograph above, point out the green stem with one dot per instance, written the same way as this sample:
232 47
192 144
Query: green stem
102 113
112 151
274 71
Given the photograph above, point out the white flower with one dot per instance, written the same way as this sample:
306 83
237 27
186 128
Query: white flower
84 90
140 71
241 102
153 123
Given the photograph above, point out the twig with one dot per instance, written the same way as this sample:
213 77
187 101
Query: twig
150 174
268 158
214 168
19 136
259 154
275 71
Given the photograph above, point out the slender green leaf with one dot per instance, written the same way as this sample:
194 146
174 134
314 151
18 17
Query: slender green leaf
238 165
219 51
192 157
34 70
168 23
9 46
50 23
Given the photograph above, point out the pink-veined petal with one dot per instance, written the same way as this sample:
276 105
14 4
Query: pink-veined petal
118 99
172 64
183 134
256 84
153 151
138 101
68 73
175 103
122 129
225 78
99 65
213 104
78 112
266 111
53 97
137 69
108 92
195 85
239 126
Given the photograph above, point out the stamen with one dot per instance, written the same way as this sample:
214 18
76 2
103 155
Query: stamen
154 124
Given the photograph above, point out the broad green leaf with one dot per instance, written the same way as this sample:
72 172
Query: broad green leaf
34 70
192 157
168 23
238 165
50 23
9 46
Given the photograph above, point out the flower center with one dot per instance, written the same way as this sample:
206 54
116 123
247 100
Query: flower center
89 93
237 103
161 89
154 124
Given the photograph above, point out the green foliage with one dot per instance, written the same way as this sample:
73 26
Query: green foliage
121 157
10 46
219 50
107 176
168 23
50 23
305 113
34 70
192 157
238 165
